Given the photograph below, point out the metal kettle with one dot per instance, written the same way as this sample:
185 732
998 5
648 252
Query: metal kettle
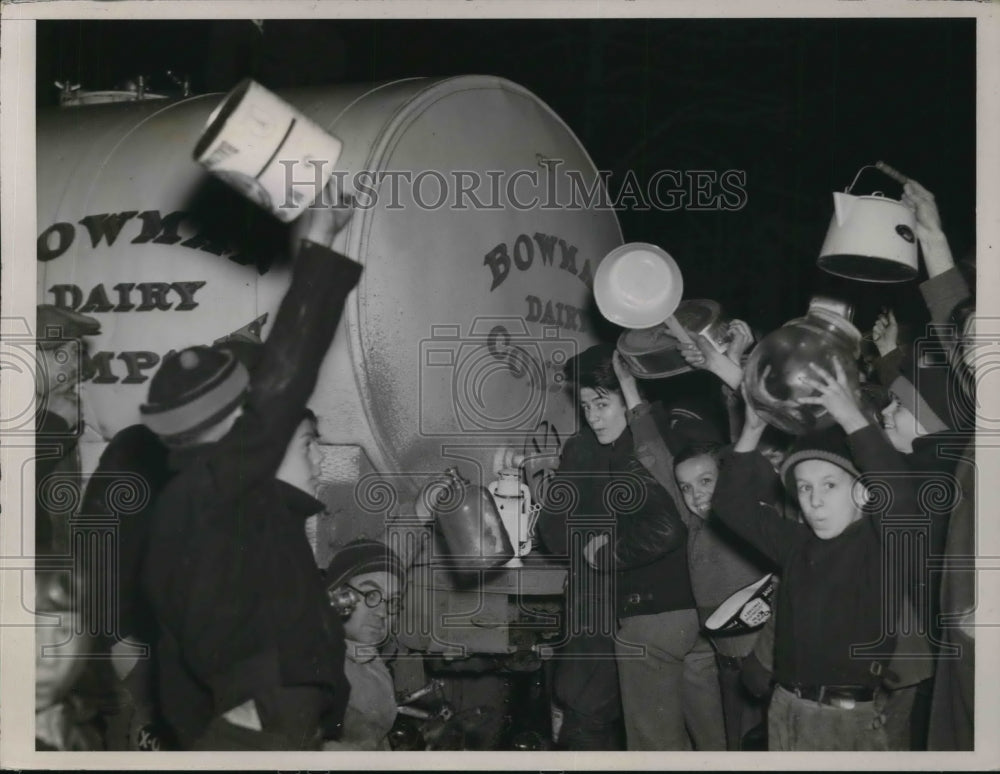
871 238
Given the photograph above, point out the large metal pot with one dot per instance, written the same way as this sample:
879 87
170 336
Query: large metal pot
467 519
774 373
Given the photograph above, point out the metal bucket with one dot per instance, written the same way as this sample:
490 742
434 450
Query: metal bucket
262 146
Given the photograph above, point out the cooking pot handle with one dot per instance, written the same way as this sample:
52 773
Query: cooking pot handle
680 333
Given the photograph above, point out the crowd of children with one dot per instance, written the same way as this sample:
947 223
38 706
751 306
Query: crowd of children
866 649
855 655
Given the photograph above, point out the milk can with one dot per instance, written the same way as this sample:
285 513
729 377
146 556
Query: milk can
469 523
775 370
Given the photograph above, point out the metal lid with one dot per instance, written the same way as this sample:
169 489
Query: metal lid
651 353
696 314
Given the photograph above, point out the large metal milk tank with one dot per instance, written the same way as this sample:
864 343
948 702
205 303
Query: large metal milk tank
451 345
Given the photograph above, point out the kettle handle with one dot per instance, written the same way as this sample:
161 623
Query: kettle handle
534 511
892 172
881 166
526 496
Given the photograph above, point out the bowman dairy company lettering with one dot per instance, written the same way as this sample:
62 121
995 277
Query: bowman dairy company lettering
128 297
147 227
144 295
138 364
547 312
535 250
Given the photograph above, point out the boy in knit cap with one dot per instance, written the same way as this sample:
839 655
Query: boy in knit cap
833 641
250 652
365 581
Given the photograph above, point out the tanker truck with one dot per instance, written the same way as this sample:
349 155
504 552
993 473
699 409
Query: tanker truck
476 290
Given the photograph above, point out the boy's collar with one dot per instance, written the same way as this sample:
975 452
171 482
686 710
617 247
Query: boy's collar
300 503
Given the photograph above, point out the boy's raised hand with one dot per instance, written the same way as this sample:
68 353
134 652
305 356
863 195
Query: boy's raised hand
741 337
753 427
754 421
934 244
704 356
322 222
835 395
885 332
922 202
626 380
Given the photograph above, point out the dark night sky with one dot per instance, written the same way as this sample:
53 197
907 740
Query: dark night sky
800 105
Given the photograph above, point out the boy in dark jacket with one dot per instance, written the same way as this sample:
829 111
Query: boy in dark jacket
584 675
836 605
244 620
932 421
669 685
949 299
133 467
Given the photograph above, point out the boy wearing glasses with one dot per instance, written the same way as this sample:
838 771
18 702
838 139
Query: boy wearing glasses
364 581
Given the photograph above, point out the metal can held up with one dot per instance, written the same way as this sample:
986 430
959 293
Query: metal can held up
267 150
468 521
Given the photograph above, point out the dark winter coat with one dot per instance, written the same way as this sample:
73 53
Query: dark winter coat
648 554
229 572
832 614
